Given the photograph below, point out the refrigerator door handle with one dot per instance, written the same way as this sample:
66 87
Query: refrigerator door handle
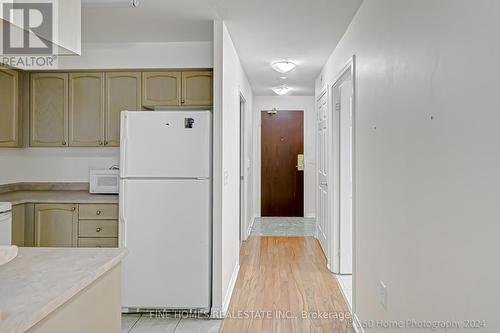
123 144
123 224
123 159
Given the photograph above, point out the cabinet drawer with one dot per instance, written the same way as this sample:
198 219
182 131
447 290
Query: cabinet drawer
98 242
98 228
98 212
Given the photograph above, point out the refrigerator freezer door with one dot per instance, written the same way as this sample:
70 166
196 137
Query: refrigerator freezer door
165 224
166 144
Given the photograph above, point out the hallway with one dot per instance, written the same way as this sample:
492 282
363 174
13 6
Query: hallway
285 286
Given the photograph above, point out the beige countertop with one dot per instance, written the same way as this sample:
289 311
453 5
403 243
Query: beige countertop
39 280
55 196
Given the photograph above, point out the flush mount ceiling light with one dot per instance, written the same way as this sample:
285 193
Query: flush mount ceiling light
283 66
281 90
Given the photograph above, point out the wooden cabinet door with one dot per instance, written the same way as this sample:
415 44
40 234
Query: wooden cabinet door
161 88
18 224
9 108
197 88
123 92
56 225
86 109
49 110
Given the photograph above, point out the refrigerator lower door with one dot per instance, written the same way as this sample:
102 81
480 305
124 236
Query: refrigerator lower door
165 225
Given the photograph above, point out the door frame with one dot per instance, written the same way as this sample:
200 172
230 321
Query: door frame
349 67
243 176
329 180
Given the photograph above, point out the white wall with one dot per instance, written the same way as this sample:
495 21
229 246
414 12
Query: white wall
141 55
53 164
72 164
290 103
427 158
230 82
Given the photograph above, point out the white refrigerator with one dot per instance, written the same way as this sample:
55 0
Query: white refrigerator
165 209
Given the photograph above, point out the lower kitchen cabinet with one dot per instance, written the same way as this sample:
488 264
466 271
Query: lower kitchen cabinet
56 225
23 224
98 228
65 225
18 224
98 242
98 225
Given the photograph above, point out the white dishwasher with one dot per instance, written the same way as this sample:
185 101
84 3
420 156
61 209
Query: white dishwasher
5 223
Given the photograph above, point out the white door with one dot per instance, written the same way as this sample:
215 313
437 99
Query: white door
323 159
346 169
160 144
165 225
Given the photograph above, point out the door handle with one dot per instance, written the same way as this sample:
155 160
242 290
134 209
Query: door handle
324 184
300 162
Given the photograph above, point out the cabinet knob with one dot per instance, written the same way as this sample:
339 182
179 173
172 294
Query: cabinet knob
100 143
73 209
106 143
183 101
64 143
98 229
98 212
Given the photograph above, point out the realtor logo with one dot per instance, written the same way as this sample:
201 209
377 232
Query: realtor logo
27 28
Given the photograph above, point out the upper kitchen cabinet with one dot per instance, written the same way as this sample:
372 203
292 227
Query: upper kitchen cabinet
49 110
123 92
9 108
197 88
161 88
86 109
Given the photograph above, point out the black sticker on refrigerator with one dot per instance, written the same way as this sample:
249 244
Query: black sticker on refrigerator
188 122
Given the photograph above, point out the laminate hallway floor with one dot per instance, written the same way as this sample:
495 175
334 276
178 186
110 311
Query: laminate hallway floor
284 286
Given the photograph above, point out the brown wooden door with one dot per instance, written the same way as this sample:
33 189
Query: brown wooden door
282 184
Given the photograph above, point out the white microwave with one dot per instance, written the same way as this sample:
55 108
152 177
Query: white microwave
104 181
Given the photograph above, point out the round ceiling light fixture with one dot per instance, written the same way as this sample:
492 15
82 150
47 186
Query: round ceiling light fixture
281 90
283 66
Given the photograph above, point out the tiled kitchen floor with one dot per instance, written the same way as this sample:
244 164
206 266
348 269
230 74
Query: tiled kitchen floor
284 226
136 323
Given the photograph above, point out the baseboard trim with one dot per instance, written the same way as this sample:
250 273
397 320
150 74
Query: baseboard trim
227 299
346 300
249 231
356 324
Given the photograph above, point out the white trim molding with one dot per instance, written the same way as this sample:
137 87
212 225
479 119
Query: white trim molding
356 324
230 289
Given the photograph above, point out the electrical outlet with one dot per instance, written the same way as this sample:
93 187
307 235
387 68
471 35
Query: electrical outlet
383 295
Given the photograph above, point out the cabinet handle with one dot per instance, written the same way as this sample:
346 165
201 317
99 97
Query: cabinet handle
98 229
183 101
98 212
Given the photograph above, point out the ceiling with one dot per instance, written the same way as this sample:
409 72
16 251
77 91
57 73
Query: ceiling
304 31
